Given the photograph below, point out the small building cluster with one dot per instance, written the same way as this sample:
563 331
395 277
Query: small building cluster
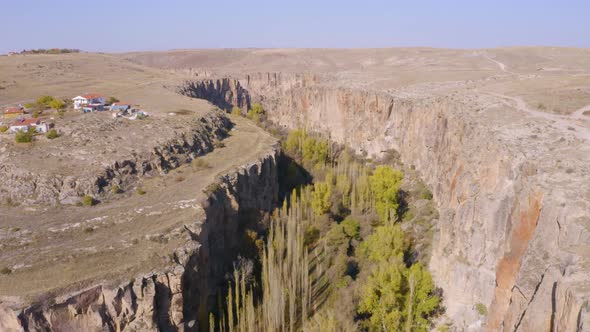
18 119
92 102
15 119
89 102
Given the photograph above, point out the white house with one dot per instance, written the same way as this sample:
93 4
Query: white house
25 124
88 99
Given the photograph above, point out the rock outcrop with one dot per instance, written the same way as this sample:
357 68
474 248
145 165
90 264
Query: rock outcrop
19 185
513 234
177 299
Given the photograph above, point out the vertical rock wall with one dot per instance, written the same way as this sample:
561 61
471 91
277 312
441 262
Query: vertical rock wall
177 298
502 232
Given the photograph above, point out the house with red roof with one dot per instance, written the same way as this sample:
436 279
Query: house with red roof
96 101
26 124
13 113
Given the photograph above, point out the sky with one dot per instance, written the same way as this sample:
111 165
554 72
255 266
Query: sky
142 25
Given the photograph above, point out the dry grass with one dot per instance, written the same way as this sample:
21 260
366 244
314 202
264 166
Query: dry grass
73 258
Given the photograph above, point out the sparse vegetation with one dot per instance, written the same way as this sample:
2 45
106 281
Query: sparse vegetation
57 104
200 163
5 271
88 200
256 113
218 144
481 309
23 136
45 101
236 111
115 189
88 230
541 106
52 134
3 129
140 191
50 51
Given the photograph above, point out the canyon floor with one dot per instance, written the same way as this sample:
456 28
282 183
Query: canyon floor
514 126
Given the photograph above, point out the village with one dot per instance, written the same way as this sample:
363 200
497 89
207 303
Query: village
31 120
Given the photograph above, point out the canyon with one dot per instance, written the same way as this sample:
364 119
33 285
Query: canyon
513 228
507 176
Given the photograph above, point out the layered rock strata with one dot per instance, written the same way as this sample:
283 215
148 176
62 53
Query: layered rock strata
514 230
174 299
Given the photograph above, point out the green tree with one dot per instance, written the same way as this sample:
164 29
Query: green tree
385 244
57 104
385 183
421 302
294 141
320 202
321 151
44 101
351 228
308 149
383 298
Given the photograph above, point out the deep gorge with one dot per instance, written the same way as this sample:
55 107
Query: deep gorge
490 206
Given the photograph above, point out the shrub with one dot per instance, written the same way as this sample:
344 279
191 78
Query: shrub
52 133
115 189
112 100
179 179
426 194
219 144
256 112
140 191
541 106
200 163
481 309
236 111
23 136
88 230
88 200
5 270
3 129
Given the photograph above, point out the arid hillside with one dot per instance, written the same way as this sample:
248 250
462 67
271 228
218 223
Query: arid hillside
500 135
119 222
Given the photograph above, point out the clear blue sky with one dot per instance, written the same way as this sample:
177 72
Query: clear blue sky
125 25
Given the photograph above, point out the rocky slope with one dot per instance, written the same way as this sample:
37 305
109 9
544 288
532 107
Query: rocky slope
20 185
513 234
177 299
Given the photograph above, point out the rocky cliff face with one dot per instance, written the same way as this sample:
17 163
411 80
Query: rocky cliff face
177 299
18 185
511 234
